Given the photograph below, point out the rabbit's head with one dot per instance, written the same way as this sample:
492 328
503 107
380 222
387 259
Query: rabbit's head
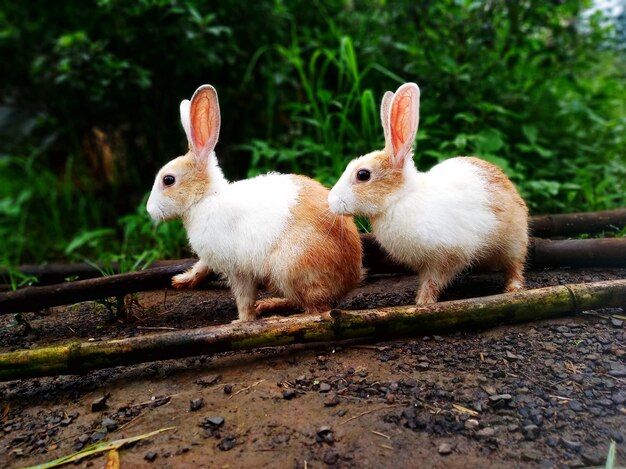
366 185
182 182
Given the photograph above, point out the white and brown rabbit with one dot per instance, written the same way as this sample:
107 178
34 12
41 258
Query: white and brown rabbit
275 230
461 212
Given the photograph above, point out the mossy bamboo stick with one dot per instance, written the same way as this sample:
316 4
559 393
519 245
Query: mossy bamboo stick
382 323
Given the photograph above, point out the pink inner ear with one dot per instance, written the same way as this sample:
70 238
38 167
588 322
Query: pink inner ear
402 122
201 121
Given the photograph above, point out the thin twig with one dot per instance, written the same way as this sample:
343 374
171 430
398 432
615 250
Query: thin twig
133 420
368 412
560 397
380 434
169 398
614 377
246 388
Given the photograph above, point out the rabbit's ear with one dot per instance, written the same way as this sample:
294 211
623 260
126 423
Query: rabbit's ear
204 120
185 116
385 107
403 122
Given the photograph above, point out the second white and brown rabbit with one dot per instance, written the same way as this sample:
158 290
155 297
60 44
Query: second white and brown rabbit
461 212
275 229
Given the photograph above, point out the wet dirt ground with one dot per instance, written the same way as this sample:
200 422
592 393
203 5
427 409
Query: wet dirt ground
544 394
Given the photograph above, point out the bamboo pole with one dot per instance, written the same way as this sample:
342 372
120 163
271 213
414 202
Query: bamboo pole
609 252
567 224
384 323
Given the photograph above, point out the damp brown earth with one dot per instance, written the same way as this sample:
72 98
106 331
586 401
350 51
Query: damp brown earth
543 394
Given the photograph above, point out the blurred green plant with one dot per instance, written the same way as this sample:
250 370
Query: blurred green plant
88 107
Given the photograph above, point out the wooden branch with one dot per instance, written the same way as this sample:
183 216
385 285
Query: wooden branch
36 298
385 323
609 252
58 272
542 253
549 226
602 252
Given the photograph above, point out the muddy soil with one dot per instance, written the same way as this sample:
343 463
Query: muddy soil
546 394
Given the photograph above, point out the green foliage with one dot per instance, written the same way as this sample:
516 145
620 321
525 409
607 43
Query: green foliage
88 107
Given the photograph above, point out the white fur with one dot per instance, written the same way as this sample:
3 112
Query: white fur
185 106
235 230
443 210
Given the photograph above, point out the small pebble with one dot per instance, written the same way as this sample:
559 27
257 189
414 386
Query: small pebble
99 404
289 394
593 458
325 435
531 432
150 456
227 444
444 449
512 356
196 404
331 400
208 380
485 433
575 405
617 323
325 387
214 421
98 436
228 388
109 424
571 444
619 397
471 424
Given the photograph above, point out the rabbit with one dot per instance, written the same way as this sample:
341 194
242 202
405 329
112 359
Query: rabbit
461 212
275 229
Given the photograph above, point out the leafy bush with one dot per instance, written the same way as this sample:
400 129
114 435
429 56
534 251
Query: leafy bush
89 104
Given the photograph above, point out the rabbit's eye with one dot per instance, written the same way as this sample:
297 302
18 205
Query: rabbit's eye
363 175
169 180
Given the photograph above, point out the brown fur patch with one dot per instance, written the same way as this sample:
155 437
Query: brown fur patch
384 181
329 263
509 248
191 184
